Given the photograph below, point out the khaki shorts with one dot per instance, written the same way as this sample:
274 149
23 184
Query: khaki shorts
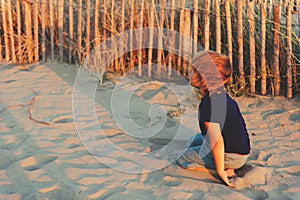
191 157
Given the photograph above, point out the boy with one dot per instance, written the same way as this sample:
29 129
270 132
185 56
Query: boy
224 144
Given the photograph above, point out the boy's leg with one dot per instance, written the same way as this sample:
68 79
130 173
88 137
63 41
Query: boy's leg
192 159
196 140
234 161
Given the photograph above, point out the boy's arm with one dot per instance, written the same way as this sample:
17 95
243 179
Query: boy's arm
217 144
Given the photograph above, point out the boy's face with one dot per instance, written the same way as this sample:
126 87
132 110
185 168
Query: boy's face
195 78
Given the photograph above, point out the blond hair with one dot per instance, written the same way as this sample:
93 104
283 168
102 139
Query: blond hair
214 71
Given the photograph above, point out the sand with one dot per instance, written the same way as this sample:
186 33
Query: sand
42 156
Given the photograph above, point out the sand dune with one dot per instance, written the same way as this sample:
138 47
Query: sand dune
43 157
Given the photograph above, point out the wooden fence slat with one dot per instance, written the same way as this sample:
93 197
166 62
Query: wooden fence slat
195 26
140 56
71 30
229 30
97 51
51 8
187 51
105 19
43 15
96 19
172 38
206 24
122 59
181 22
276 70
5 30
28 25
240 44
114 29
1 58
289 51
19 51
11 32
36 31
252 46
160 34
79 31
218 26
60 29
298 7
151 25
88 27
263 49
131 65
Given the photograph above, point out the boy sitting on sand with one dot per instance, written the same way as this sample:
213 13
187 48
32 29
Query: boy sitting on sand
224 143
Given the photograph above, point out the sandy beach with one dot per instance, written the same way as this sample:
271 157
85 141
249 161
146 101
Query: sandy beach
43 157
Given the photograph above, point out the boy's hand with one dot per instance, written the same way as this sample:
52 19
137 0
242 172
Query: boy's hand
224 177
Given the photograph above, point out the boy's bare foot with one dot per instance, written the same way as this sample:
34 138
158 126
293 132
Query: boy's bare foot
230 173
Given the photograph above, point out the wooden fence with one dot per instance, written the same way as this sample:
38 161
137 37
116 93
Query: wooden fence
260 37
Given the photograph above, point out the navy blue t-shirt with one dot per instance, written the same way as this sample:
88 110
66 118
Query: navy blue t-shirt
226 112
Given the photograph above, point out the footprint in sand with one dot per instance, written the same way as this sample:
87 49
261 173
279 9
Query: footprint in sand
255 194
249 175
295 117
37 162
9 81
269 113
171 181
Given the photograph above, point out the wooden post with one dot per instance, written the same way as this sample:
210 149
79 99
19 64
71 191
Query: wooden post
113 28
252 46
229 30
289 51
195 26
51 28
151 25
11 32
140 56
28 29
97 16
60 29
270 7
36 31
43 7
240 44
277 15
218 26
186 30
206 24
97 51
5 30
79 30
71 30
1 58
88 27
171 55
160 34
104 19
181 22
263 50
103 49
122 60
18 10
298 7
131 34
